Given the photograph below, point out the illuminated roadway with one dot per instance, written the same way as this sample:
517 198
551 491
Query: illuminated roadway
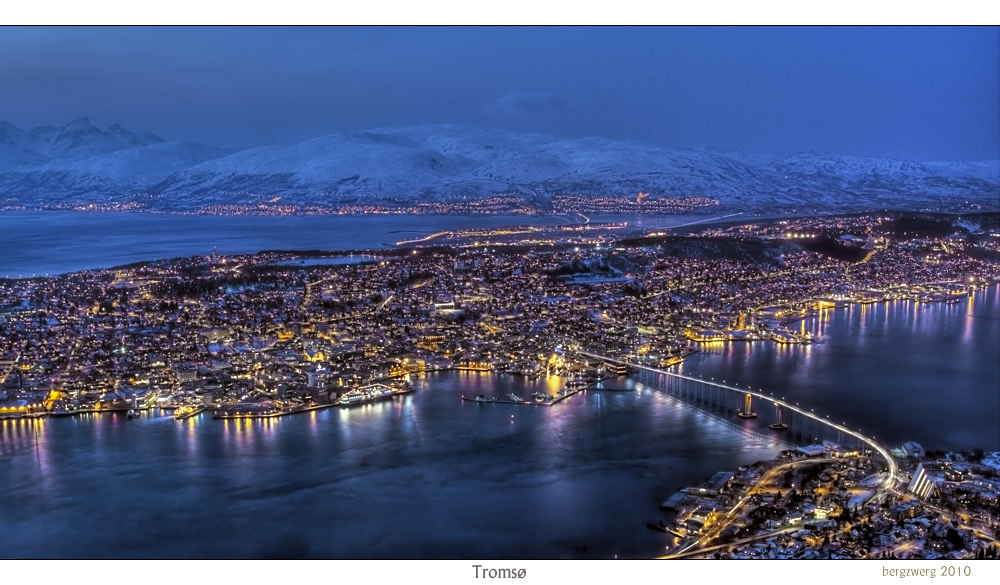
704 220
733 512
889 482
960 516
433 236
10 370
688 552
734 544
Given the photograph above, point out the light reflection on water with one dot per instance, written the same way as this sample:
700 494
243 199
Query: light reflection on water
900 370
429 475
55 242
423 475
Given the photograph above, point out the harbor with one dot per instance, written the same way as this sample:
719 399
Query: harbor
268 409
539 398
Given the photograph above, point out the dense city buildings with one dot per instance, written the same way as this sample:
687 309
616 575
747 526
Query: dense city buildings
226 326
278 333
826 504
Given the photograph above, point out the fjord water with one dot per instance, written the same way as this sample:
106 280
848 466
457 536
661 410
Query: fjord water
422 476
430 476
55 242
901 371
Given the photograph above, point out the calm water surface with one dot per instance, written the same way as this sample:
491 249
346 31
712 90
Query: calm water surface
901 371
55 242
430 476
424 476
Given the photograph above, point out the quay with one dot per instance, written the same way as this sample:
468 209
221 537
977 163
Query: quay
182 412
223 414
58 413
189 411
563 394
371 393
365 395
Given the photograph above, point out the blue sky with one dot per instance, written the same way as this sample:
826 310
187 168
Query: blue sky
919 93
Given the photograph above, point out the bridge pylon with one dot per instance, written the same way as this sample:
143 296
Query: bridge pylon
747 411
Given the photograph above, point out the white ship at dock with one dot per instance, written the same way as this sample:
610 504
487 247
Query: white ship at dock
369 393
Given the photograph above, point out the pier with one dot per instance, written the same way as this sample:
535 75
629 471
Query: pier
189 411
234 414
563 394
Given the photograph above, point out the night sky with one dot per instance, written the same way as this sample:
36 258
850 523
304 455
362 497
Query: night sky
909 93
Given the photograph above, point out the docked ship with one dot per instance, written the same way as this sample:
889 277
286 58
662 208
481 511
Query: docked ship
60 408
261 409
184 412
133 411
368 394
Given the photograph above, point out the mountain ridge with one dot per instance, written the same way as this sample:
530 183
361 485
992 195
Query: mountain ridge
453 163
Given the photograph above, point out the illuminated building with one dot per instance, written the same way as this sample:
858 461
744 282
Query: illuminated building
921 485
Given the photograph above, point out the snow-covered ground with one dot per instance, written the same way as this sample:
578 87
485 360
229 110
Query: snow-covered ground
992 460
453 162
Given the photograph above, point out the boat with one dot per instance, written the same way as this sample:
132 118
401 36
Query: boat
482 398
541 397
132 413
62 410
352 397
513 397
184 412
368 394
260 410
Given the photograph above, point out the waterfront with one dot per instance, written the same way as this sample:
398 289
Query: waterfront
903 371
423 476
429 475
56 242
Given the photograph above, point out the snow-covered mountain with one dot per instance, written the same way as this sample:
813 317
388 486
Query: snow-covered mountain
447 163
80 162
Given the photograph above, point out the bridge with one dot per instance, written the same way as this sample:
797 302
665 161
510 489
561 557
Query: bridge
723 396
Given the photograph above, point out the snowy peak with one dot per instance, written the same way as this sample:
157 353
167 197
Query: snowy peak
123 136
460 163
81 124
12 135
78 135
81 138
78 138
80 159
